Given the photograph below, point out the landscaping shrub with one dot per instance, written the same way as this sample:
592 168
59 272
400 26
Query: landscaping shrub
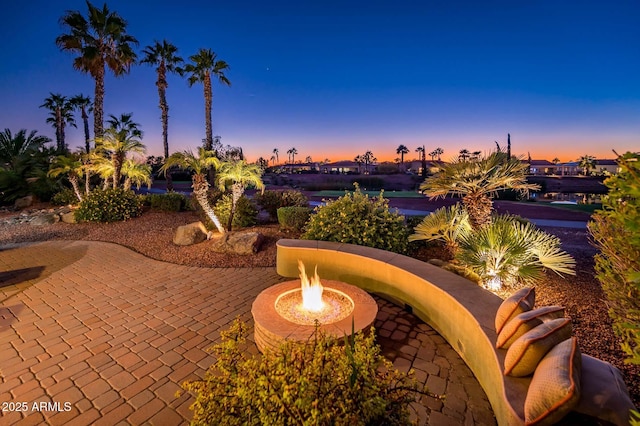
110 205
65 197
170 202
293 218
616 231
246 213
510 253
446 225
357 219
319 383
270 201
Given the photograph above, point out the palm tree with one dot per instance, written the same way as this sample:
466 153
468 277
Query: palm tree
275 152
205 64
118 144
125 126
555 160
100 41
438 151
239 174
402 150
84 104
14 148
136 173
199 164
368 158
60 115
446 224
422 153
464 154
71 166
273 159
433 155
477 182
292 156
164 57
475 155
587 162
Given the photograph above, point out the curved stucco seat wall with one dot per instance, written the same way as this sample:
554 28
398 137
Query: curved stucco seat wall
462 312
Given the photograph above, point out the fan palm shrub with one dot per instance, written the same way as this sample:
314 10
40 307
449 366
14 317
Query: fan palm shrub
198 163
136 173
510 252
447 224
477 182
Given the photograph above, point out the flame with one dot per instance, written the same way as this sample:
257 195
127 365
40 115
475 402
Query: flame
311 290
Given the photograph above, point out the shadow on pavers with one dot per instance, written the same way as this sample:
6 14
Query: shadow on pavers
24 265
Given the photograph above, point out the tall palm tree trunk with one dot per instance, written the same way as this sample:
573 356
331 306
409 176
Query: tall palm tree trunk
208 99
200 186
98 105
85 120
164 107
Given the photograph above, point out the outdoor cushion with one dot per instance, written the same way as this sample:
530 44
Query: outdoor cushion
604 394
526 321
519 302
526 352
555 388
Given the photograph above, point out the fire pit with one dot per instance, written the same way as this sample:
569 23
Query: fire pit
289 310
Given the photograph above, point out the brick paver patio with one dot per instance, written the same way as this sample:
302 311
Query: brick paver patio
105 336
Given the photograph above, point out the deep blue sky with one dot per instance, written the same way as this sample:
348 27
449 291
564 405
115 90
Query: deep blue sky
337 78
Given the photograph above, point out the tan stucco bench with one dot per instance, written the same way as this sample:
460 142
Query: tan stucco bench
462 312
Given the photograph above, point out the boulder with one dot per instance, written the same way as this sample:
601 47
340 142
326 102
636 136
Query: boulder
68 217
23 203
239 243
45 219
192 233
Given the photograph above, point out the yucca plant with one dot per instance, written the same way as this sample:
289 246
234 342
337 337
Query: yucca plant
446 224
509 252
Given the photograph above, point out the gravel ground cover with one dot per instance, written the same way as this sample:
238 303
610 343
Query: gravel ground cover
151 235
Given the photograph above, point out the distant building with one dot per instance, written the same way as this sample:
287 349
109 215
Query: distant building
299 168
342 167
541 167
607 167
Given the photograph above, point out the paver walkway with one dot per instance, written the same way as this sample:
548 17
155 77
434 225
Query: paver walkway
103 335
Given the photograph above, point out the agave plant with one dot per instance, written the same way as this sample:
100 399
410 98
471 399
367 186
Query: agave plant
511 252
446 224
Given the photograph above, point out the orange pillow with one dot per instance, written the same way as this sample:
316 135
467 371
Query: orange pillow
525 353
526 321
519 302
555 388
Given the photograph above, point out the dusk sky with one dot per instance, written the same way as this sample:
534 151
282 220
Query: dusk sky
337 78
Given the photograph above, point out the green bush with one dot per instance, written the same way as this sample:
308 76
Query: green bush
509 252
170 202
270 201
355 218
65 197
616 231
293 218
110 205
246 213
319 383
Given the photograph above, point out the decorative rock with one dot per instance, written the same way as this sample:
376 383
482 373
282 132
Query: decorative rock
24 202
239 243
68 217
190 234
45 219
